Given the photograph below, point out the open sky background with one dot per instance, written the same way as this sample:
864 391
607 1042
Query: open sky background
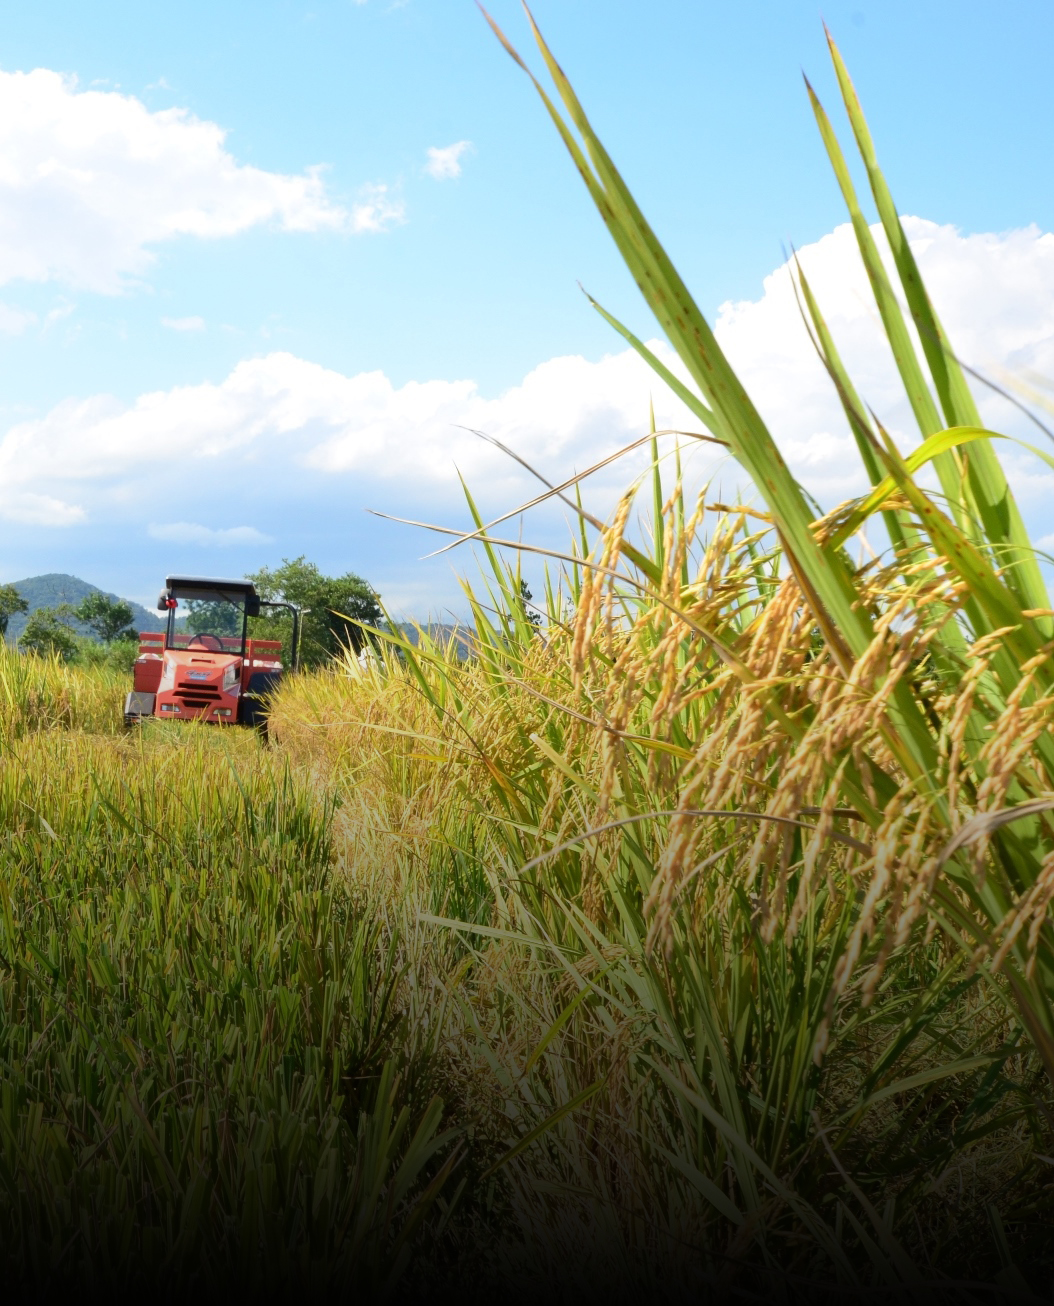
260 263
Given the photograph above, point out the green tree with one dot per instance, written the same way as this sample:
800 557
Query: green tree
215 616
530 610
119 655
50 630
10 603
330 604
109 618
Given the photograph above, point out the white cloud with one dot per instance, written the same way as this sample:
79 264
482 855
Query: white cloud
376 210
91 180
185 532
42 510
184 323
279 416
58 314
279 420
13 321
444 162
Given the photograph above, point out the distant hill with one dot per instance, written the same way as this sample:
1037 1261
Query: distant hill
440 631
56 587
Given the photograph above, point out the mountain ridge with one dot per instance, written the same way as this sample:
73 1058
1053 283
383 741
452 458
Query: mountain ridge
55 587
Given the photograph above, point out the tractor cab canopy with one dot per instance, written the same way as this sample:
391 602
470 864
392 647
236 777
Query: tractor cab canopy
209 589
216 612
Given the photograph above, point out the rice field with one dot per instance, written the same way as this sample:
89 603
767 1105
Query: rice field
693 940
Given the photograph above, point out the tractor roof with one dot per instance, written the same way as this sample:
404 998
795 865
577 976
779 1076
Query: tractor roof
208 587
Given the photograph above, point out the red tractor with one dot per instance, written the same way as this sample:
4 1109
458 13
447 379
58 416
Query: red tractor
221 678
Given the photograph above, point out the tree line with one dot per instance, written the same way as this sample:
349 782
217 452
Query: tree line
331 607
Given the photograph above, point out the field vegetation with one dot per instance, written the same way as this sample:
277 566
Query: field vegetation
693 939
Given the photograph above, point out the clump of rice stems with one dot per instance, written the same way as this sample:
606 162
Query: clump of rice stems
514 823
915 693
42 692
203 1080
805 748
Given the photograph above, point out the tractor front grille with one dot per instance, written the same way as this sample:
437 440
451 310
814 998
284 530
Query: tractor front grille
198 695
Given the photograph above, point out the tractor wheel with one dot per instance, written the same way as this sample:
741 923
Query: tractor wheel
254 714
253 709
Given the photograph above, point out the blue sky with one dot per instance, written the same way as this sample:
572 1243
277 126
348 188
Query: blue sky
125 329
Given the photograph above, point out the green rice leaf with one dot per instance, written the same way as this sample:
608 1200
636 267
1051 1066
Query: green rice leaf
988 485
932 447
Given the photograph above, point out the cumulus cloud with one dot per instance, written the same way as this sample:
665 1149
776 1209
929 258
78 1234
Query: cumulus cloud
58 314
32 509
277 420
13 321
278 413
184 323
376 209
444 162
186 532
91 180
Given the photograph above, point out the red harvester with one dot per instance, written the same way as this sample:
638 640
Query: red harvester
220 678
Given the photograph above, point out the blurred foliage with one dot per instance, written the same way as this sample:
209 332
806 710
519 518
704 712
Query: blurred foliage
118 655
10 603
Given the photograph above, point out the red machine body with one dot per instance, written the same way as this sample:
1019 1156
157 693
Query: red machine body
205 679
219 677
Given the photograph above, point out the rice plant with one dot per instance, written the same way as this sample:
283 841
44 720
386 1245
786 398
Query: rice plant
203 1078
642 1106
915 693
40 693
